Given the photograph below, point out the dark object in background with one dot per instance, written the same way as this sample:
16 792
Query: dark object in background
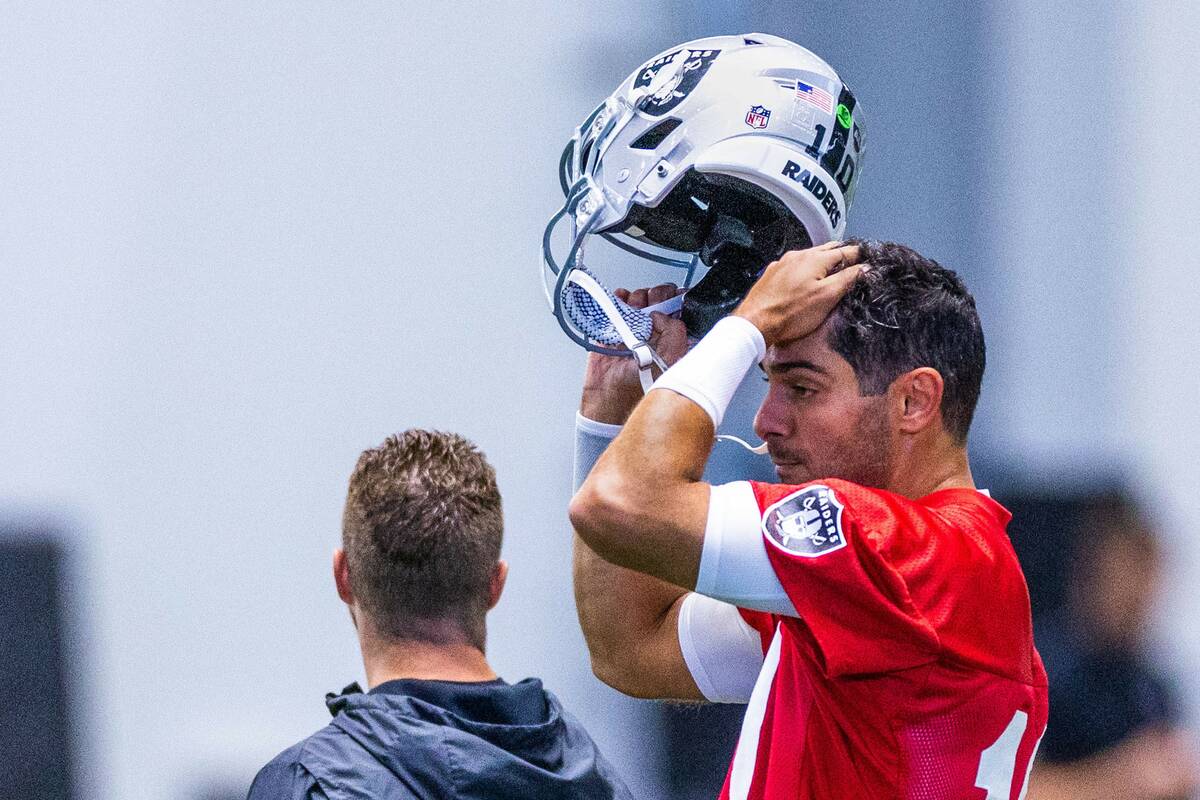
1041 531
1094 562
1099 699
35 730
700 739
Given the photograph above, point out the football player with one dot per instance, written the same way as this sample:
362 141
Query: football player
868 607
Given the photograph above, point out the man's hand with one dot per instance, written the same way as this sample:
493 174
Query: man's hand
796 293
610 386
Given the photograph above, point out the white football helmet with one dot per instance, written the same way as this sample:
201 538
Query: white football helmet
725 151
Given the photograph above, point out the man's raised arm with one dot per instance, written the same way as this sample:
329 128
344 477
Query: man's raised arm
644 506
628 619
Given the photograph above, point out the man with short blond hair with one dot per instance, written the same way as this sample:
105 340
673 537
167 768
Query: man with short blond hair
415 580
419 568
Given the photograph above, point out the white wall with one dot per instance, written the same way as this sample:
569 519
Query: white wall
239 243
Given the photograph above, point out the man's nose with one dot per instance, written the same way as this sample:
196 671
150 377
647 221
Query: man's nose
770 422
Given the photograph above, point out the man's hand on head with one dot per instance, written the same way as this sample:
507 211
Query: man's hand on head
610 385
796 293
650 514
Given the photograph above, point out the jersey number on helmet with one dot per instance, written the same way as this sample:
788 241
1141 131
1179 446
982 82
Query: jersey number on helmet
999 761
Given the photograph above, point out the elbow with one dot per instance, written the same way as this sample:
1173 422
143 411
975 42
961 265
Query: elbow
606 670
620 679
588 510
600 514
611 649
621 667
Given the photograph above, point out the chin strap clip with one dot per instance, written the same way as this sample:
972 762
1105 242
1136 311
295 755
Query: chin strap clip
638 348
646 358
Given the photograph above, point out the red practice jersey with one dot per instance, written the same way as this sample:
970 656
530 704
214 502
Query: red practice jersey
910 672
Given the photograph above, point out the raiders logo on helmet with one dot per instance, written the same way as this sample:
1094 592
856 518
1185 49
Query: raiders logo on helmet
672 77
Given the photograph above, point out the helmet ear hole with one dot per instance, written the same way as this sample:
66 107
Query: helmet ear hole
736 257
654 137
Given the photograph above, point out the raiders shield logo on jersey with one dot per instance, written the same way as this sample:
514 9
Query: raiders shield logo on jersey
672 77
806 523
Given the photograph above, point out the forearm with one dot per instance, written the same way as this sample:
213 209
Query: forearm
645 499
645 506
665 444
667 440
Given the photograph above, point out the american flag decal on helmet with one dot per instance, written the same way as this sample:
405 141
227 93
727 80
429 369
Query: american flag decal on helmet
814 95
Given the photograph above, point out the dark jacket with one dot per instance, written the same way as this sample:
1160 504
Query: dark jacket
418 739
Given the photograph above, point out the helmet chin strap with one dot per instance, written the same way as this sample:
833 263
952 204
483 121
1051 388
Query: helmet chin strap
638 347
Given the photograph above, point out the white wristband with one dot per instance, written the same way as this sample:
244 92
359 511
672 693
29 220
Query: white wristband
713 370
604 430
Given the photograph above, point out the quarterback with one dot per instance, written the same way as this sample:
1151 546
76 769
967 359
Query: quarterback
869 607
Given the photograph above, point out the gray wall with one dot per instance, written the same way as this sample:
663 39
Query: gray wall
1156 297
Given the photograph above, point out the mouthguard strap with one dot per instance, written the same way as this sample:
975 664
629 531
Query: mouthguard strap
639 347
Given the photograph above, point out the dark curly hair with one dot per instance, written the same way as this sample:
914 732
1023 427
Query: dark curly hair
422 531
905 312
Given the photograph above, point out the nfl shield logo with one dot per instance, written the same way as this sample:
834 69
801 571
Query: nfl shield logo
757 117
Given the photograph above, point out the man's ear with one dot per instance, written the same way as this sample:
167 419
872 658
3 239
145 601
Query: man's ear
919 393
499 576
341 576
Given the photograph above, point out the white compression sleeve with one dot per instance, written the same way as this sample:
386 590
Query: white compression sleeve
734 566
591 439
722 652
713 370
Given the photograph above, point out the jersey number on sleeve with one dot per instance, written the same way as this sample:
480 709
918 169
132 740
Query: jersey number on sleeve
998 763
